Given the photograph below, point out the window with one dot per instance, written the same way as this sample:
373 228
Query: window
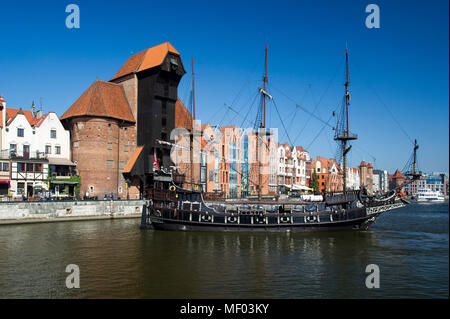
20 132
109 164
30 167
48 149
109 146
13 147
21 167
5 167
121 165
20 188
38 168
26 149
52 133
58 150
125 148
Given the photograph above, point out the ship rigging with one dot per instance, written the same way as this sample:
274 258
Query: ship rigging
171 207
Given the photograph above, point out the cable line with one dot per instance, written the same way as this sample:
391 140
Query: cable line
384 104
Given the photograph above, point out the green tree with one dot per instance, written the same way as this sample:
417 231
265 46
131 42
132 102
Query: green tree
314 184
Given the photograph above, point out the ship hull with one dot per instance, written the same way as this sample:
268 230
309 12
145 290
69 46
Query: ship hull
186 214
168 224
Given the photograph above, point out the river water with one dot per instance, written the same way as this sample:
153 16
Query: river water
118 260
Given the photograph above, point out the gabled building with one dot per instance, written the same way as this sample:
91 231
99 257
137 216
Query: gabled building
294 165
329 174
38 147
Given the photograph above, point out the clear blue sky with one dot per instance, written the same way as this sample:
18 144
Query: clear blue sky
401 67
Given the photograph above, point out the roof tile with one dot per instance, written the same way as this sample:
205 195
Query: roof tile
102 99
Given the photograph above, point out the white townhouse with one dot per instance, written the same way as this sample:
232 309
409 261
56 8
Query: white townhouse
301 174
293 172
38 148
353 178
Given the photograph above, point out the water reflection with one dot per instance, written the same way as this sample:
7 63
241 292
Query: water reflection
118 260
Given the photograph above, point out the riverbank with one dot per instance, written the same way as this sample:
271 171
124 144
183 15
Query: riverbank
44 212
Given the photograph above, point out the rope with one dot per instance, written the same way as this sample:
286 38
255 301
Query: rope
384 104
321 130
282 123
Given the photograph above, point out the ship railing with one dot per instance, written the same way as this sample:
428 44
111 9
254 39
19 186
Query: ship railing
162 194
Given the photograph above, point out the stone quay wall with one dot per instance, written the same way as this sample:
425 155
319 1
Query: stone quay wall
34 212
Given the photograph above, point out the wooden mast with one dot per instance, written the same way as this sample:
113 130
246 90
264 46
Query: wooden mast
265 80
344 141
415 158
193 125
193 90
262 125
345 135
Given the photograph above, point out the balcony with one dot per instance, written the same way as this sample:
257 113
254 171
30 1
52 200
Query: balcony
15 155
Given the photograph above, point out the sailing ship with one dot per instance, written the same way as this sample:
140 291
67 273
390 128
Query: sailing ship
171 207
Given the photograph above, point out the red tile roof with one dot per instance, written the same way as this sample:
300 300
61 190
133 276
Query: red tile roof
300 149
398 174
146 59
102 99
12 113
328 162
183 117
133 159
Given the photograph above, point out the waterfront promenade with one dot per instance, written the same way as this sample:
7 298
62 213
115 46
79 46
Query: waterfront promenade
55 211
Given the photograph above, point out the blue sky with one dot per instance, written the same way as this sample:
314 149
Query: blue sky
399 72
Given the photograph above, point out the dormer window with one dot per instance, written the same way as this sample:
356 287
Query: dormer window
20 132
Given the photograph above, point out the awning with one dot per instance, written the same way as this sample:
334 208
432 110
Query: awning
6 181
63 183
60 161
297 187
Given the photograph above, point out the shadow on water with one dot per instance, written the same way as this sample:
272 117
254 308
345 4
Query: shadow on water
119 260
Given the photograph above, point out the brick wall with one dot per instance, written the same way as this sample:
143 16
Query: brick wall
102 148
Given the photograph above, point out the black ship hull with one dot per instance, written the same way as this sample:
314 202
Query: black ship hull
188 212
169 224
